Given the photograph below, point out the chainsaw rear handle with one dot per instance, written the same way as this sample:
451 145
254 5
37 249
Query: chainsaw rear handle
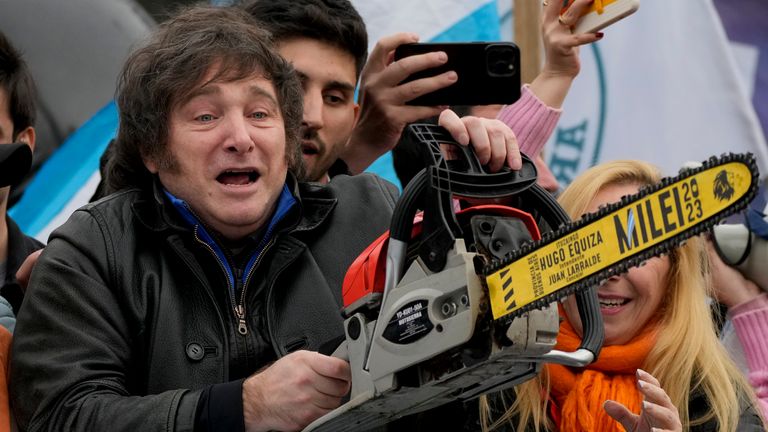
444 179
465 176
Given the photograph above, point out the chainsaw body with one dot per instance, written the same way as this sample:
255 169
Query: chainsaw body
462 303
420 333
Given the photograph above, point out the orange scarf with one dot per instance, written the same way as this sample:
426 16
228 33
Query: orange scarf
580 393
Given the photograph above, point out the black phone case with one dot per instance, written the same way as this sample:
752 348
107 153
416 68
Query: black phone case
481 81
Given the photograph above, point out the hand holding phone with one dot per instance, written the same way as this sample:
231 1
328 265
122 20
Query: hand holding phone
488 72
603 13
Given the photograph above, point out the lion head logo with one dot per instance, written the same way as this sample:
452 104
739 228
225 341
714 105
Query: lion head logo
722 188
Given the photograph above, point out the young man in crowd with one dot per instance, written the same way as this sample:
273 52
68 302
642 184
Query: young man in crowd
198 295
327 43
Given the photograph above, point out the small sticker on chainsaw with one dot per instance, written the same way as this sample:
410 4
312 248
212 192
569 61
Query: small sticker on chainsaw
409 324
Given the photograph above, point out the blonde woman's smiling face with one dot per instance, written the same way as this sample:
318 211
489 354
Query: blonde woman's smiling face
628 303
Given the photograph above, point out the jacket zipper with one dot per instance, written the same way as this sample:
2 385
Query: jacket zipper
242 328
237 307
231 290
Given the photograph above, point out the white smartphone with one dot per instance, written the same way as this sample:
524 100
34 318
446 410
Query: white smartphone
612 10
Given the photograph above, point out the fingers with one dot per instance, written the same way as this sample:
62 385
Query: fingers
551 10
571 15
401 69
333 375
294 391
658 412
584 38
411 90
453 124
380 53
492 141
514 160
393 74
657 406
25 270
383 111
621 414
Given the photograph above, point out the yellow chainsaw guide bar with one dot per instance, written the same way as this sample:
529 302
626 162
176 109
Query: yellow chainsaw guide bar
621 235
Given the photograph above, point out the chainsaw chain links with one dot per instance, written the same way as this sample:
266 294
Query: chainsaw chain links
637 259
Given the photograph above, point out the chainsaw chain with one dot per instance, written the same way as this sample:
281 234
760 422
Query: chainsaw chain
637 259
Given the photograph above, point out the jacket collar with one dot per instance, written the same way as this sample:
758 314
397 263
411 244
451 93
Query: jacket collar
315 203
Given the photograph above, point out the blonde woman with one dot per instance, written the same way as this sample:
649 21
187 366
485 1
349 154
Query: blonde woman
657 320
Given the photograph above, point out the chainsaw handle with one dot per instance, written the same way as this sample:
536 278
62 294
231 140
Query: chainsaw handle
407 206
442 179
465 176
593 333
591 321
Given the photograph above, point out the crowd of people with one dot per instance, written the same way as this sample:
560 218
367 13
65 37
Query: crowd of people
202 287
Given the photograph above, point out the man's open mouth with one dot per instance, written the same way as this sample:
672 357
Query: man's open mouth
238 177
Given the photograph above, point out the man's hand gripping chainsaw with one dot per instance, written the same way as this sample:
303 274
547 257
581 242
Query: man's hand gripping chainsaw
463 303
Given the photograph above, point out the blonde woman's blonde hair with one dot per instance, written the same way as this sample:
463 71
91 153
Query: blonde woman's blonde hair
687 358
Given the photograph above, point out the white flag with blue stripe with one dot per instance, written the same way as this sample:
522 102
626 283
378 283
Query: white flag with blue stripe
663 86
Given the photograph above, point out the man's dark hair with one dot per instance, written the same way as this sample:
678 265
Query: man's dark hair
335 22
172 64
19 87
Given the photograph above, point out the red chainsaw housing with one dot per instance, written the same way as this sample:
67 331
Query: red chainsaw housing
366 276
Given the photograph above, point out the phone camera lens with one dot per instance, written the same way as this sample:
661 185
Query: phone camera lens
500 60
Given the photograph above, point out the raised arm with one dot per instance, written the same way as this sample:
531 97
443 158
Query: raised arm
383 109
535 115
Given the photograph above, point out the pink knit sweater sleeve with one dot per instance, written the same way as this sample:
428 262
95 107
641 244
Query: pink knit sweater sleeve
531 120
750 320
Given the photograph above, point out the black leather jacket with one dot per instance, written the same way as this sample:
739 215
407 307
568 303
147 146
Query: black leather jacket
123 324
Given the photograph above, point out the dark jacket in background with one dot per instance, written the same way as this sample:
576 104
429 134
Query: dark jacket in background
19 248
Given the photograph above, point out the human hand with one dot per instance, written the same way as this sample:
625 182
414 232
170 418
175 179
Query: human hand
730 286
658 413
493 142
294 391
545 178
561 46
25 270
383 109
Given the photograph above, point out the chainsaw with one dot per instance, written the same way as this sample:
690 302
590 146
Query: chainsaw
453 302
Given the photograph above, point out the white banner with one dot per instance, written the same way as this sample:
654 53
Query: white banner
428 18
663 87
